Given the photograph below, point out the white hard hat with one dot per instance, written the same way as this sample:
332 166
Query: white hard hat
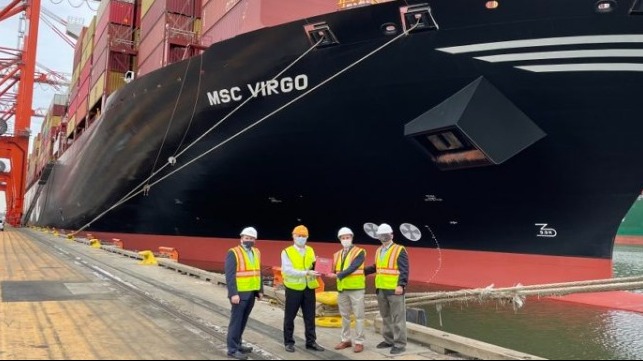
384 229
344 231
249 231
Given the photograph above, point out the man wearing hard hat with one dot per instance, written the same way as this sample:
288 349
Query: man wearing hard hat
348 264
300 280
243 279
392 275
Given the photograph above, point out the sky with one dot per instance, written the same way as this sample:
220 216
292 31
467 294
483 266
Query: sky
52 52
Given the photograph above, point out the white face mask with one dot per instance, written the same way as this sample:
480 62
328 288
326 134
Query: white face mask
346 242
300 241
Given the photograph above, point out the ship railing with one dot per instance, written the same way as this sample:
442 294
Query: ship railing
184 36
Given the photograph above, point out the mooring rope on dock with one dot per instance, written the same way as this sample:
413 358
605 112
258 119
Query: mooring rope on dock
510 295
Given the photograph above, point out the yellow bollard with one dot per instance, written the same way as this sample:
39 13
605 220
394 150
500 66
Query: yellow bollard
70 237
148 258
94 243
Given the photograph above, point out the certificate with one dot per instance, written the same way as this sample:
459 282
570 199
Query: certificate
324 265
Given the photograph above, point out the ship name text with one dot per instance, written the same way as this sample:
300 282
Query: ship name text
261 88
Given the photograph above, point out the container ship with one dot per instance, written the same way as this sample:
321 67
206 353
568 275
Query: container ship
500 139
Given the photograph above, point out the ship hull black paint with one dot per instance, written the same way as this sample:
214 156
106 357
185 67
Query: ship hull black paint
339 157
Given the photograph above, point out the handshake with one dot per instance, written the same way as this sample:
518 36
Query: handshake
313 273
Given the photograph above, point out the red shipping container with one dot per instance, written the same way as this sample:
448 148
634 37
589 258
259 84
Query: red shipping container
82 110
184 7
272 11
152 40
151 17
178 53
198 8
214 10
73 106
154 60
83 90
58 110
119 62
112 60
121 13
85 72
249 15
115 37
153 30
181 22
100 64
137 15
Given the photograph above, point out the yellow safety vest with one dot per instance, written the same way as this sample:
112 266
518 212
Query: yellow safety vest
355 280
387 271
301 264
248 273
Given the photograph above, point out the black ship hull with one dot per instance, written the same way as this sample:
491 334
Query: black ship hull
542 99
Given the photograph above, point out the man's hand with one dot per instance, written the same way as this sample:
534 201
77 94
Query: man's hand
399 290
312 273
331 275
235 299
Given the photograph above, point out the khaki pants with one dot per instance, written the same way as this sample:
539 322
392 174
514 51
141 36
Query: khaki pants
393 312
352 300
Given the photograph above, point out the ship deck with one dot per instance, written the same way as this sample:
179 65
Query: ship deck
63 299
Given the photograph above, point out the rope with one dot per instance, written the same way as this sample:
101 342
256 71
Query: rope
145 186
280 108
131 195
176 104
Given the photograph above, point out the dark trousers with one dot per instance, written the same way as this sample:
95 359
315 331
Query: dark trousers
294 300
238 319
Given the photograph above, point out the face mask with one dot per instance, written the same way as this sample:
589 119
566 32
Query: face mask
300 241
385 237
248 244
346 242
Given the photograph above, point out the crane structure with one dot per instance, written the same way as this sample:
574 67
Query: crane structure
17 71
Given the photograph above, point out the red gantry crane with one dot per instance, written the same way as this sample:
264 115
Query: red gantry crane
17 70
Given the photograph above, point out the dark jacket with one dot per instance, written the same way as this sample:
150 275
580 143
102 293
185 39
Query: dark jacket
357 262
231 278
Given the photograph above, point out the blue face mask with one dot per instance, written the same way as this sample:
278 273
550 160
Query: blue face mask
248 244
300 241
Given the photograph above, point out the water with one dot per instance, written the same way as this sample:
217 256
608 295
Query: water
553 329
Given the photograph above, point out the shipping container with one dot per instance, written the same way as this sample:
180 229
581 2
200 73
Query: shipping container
82 110
85 73
183 7
151 41
213 10
88 43
71 125
177 53
111 60
224 22
115 37
154 60
107 83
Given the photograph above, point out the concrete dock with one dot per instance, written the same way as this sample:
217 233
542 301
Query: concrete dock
64 299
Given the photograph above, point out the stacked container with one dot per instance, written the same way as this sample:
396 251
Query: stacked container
169 32
224 19
114 50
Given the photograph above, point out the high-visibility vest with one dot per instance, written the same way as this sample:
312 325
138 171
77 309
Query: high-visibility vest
248 273
300 263
355 280
387 271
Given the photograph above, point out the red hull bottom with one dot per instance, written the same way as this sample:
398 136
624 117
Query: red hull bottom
629 240
455 268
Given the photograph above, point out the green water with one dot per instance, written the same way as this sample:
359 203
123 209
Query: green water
551 329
